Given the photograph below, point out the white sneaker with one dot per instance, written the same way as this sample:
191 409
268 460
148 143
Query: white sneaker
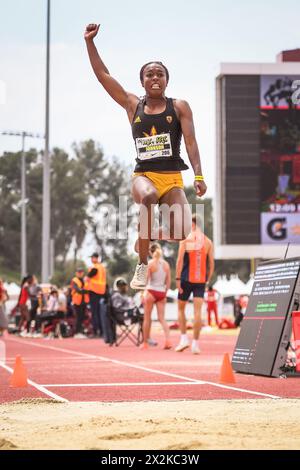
80 336
184 344
24 334
139 279
195 349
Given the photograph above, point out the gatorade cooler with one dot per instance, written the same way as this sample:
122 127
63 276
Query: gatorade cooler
296 332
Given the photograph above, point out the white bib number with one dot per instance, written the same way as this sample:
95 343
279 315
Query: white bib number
156 146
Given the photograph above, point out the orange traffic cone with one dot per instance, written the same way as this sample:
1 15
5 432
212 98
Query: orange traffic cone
19 376
227 375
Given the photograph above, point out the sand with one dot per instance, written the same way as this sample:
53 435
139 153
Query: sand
171 425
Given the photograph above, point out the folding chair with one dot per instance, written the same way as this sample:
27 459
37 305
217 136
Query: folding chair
127 324
54 320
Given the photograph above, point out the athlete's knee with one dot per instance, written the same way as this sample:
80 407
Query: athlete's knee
148 198
197 314
181 307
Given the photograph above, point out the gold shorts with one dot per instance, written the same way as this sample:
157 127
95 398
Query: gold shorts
163 182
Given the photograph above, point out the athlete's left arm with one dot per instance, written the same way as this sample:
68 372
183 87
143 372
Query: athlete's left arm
211 261
188 130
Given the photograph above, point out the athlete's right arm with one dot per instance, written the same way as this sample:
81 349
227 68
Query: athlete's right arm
113 88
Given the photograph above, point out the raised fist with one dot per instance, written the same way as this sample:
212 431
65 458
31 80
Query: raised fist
91 31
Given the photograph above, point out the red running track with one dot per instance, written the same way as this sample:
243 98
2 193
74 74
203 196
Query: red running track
89 370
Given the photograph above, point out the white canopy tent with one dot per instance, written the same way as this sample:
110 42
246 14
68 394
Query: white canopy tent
249 284
232 288
12 289
221 284
236 287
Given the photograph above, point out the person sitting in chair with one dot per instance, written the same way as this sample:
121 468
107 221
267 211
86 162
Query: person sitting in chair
125 314
120 300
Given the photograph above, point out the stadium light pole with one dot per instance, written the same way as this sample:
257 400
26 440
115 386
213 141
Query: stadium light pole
46 168
23 201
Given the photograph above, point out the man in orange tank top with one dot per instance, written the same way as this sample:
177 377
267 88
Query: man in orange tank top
191 277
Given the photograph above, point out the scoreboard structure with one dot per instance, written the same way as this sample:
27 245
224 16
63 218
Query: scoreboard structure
266 329
257 210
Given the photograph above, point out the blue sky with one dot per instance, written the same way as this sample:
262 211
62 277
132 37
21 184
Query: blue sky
191 37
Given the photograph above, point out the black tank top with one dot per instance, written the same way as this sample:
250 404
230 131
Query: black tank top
157 139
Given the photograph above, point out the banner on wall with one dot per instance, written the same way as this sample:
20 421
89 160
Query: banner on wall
279 91
280 160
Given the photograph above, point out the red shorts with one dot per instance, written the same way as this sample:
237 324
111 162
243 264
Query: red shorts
212 306
158 295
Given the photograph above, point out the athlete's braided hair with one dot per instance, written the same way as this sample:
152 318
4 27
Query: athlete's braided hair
154 62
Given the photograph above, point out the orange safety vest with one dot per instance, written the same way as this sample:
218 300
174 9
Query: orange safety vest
77 298
86 287
97 284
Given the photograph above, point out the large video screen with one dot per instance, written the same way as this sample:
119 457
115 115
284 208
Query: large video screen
280 160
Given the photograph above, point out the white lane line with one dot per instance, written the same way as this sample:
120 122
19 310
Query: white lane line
75 360
125 384
229 387
153 384
107 359
134 366
41 388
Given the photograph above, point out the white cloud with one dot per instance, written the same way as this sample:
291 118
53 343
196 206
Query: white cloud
2 92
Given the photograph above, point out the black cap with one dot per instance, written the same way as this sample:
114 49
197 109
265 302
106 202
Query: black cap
94 255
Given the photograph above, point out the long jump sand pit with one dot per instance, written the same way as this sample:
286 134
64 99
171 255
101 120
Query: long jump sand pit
168 425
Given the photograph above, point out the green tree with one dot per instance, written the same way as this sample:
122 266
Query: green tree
106 181
69 204
80 185
65 272
10 209
68 207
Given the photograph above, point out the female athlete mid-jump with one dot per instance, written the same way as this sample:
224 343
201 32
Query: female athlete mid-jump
158 124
